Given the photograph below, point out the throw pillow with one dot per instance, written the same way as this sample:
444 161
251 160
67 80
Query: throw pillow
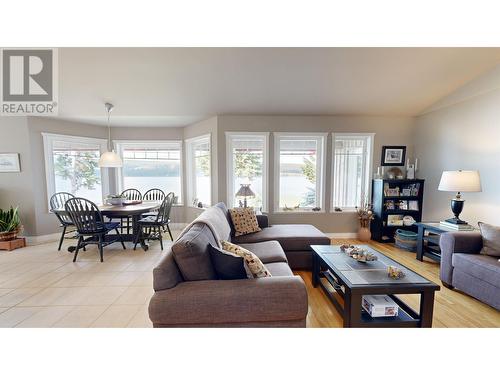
491 239
244 221
228 266
254 264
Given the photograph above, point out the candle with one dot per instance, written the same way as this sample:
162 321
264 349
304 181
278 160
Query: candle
416 164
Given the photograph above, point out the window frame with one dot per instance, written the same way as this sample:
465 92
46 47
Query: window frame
48 142
118 145
368 166
321 168
190 170
230 136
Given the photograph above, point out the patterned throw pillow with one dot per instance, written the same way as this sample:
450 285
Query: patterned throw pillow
244 221
254 264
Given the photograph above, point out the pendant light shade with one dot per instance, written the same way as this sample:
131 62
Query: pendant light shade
110 159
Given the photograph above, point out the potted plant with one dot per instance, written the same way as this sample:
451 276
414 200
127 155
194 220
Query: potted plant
365 216
10 224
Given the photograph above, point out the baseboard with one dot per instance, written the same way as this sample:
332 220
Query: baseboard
341 235
36 240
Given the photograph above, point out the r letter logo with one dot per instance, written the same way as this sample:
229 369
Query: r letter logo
29 84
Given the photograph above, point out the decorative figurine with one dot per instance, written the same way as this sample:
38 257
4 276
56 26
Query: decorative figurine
395 273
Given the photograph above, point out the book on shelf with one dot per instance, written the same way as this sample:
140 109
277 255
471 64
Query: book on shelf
464 227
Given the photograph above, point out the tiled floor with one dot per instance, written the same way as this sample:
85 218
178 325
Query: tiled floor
41 287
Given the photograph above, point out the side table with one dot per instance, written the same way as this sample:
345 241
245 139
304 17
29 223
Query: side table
428 240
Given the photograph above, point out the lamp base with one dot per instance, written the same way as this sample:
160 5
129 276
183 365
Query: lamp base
457 221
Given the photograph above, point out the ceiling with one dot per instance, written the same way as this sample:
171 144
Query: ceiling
179 86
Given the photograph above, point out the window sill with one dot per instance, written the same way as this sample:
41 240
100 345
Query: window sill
298 212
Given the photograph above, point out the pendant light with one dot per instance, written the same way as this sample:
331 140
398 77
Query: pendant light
110 158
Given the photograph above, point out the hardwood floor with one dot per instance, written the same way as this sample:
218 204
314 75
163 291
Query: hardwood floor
452 308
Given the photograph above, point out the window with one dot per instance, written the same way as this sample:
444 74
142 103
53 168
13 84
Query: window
352 161
199 181
150 164
247 164
299 171
71 165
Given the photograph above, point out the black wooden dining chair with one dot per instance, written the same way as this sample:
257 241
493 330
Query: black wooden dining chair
153 195
151 227
131 195
89 223
57 202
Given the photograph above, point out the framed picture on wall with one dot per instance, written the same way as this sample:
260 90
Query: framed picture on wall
393 155
9 162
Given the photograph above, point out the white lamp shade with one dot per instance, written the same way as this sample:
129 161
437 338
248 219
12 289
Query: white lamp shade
110 159
460 181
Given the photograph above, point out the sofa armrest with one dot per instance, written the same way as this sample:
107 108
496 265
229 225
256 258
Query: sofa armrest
263 221
456 242
212 302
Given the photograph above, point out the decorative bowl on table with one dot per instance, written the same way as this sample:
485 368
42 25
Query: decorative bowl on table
358 253
115 200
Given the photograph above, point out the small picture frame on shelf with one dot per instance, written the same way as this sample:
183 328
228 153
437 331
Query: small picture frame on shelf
394 220
393 155
403 205
413 205
389 205
392 192
406 192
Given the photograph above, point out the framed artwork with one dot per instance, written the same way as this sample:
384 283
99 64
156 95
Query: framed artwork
9 162
393 155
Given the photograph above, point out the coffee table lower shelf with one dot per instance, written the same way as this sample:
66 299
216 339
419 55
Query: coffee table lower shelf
407 317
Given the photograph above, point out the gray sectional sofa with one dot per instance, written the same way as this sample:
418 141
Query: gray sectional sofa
464 268
189 294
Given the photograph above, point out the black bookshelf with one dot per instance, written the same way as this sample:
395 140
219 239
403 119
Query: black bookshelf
388 207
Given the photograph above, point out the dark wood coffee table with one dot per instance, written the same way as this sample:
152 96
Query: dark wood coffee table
345 281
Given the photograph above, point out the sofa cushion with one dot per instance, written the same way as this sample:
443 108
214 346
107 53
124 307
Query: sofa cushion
292 237
254 264
228 266
192 256
166 274
279 269
244 221
482 267
491 239
268 252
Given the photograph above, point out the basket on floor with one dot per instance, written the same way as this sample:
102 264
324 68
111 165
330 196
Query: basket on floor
406 240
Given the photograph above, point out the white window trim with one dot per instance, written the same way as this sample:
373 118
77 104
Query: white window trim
320 169
117 144
367 173
49 139
229 165
190 183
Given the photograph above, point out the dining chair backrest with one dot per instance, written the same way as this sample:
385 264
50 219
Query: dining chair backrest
154 195
166 206
57 202
132 194
85 216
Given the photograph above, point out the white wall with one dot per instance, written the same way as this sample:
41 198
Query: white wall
462 131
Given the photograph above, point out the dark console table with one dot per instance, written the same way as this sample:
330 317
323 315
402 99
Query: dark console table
428 240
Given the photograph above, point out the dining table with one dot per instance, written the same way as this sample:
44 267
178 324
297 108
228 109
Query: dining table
133 211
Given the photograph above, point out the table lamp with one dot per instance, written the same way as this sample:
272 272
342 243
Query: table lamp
245 192
459 181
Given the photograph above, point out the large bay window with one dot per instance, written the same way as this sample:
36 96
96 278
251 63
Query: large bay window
71 166
352 161
150 164
198 167
299 171
246 158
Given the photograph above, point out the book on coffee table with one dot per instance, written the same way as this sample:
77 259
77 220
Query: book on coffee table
464 227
